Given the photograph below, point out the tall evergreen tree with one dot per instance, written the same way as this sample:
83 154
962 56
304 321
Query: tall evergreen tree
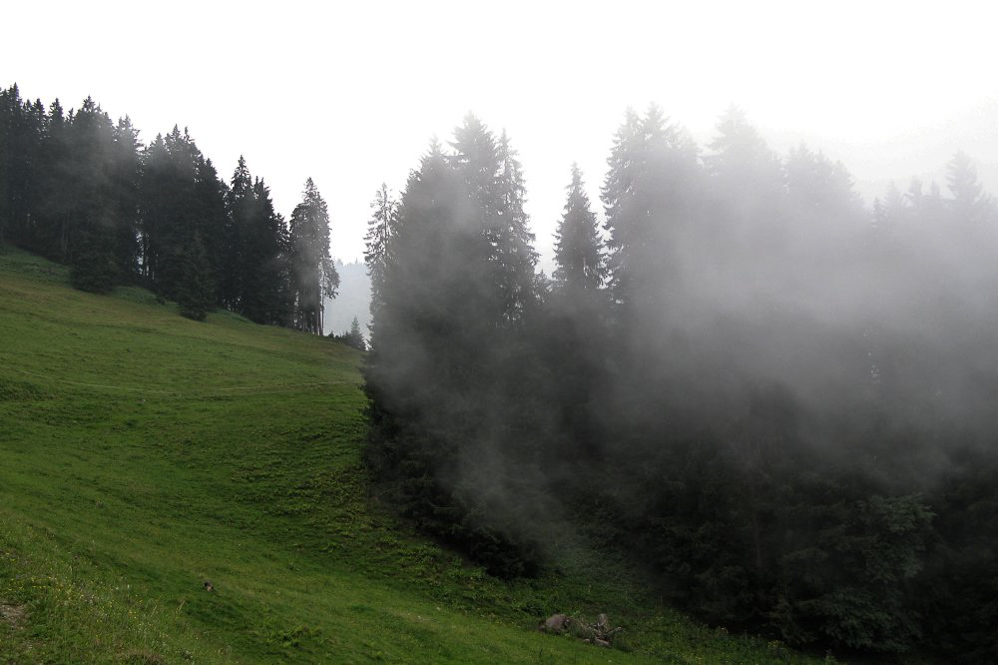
195 291
25 122
314 276
262 261
125 173
574 338
54 220
436 397
213 221
90 248
515 257
182 205
649 194
381 231
7 97
169 220
578 247
239 205
970 205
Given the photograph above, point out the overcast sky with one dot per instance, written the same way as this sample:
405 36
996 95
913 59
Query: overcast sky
350 93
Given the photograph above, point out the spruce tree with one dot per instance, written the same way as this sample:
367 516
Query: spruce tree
25 128
124 186
90 248
258 269
314 276
651 196
432 374
515 257
580 265
212 222
239 203
574 340
267 297
195 291
381 230
970 205
6 122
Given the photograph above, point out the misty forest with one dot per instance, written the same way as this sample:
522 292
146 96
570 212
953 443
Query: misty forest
774 400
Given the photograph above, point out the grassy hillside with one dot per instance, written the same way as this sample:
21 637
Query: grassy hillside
143 454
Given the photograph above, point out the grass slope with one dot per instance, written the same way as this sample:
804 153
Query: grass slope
142 454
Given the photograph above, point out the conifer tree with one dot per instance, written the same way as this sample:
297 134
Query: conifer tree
970 205
436 350
7 104
574 337
195 291
650 195
266 280
314 276
495 180
124 185
381 230
169 220
354 338
239 206
212 221
258 268
53 217
515 257
577 254
25 127
90 247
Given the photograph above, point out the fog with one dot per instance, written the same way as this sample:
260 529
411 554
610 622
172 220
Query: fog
767 360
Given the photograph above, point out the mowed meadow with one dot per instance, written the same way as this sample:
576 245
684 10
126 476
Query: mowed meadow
144 456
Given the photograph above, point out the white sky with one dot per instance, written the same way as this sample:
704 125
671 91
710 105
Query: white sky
350 93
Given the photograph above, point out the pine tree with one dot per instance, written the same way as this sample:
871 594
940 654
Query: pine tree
650 195
195 291
515 256
267 294
53 220
6 122
25 127
124 191
169 219
580 263
354 338
574 338
258 268
381 231
494 178
90 248
970 205
239 202
314 276
431 375
212 222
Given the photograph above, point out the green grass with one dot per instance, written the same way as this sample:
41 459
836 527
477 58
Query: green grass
142 454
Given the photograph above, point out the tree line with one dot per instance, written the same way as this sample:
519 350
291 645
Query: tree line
83 190
776 400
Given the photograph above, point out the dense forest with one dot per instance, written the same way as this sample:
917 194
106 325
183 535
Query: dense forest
82 190
776 401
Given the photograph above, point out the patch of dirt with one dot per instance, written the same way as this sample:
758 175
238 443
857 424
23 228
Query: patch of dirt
12 614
